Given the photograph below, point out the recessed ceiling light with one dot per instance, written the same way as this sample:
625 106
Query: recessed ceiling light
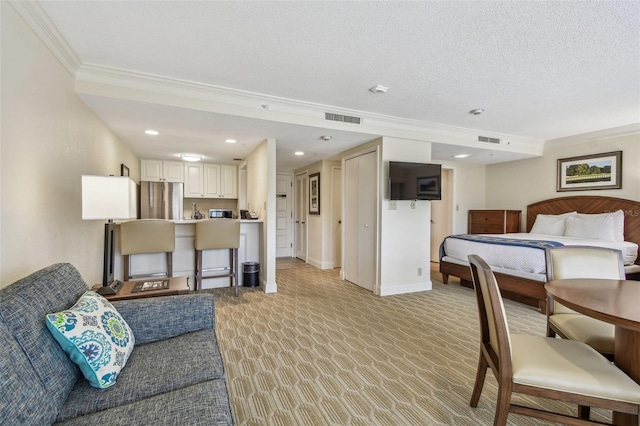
379 88
151 132
476 111
462 156
230 140
191 157
299 153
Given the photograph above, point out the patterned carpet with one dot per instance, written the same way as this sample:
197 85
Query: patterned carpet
325 352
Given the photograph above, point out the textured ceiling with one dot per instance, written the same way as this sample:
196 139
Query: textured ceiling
540 69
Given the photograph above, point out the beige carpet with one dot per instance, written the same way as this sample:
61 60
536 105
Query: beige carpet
325 352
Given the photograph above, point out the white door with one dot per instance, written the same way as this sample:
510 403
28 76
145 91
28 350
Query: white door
360 221
442 215
302 201
336 216
284 215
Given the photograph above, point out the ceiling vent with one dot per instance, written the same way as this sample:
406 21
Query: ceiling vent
488 139
342 118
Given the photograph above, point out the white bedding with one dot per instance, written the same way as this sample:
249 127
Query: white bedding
526 260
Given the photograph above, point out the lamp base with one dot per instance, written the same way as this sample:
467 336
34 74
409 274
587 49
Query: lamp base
110 289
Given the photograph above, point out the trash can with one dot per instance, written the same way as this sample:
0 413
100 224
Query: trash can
250 274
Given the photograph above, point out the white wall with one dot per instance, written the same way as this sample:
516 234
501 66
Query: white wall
405 232
516 184
49 139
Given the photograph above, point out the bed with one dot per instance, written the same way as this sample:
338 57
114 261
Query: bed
528 286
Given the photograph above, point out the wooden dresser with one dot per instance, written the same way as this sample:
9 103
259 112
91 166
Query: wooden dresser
493 221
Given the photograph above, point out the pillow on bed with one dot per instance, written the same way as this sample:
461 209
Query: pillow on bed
598 227
551 224
618 222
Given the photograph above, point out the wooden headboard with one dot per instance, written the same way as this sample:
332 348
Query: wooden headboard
590 205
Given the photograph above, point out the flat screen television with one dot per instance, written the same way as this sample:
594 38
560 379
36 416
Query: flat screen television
414 181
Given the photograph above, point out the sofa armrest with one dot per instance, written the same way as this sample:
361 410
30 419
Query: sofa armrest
159 318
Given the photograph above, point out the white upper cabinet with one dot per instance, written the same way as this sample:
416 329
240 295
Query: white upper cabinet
211 181
193 180
228 181
173 171
161 171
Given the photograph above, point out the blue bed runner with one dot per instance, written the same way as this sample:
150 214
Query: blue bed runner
490 239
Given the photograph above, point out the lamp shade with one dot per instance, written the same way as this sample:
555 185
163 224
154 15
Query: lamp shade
108 197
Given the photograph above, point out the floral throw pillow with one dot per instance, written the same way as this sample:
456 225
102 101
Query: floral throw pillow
95 336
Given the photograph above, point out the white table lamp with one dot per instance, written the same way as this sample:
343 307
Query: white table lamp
108 198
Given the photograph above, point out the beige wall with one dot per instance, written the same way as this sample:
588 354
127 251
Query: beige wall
468 191
319 249
49 139
261 190
516 184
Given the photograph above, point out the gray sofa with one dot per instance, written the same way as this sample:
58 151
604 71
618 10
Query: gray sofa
174 376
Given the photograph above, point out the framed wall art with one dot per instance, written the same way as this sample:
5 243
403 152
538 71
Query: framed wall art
589 172
314 193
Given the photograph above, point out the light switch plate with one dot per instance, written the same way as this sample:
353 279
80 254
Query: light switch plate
393 205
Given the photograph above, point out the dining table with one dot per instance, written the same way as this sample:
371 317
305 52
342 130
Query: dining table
616 302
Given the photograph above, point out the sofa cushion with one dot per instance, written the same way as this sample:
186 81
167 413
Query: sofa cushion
203 404
23 398
152 369
180 315
95 336
24 305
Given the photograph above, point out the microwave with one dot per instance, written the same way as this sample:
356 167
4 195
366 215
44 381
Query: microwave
220 214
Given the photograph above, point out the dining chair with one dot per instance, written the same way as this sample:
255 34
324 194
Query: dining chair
558 369
147 236
565 262
217 234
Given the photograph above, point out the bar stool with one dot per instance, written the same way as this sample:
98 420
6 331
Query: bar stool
147 236
218 234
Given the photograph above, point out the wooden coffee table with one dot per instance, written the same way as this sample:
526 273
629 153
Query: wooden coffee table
177 285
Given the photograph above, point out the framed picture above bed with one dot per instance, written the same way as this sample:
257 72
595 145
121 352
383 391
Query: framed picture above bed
589 172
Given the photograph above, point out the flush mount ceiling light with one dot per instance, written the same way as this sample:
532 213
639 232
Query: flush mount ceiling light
326 138
476 111
299 153
230 140
191 157
462 156
151 132
379 88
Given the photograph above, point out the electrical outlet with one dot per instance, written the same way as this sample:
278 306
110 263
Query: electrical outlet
419 272
457 207
393 205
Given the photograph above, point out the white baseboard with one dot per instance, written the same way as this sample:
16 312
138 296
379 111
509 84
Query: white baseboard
390 290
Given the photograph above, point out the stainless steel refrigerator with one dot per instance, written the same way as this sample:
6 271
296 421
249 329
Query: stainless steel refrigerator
161 200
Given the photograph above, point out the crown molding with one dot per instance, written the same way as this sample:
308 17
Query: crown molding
134 86
614 132
38 20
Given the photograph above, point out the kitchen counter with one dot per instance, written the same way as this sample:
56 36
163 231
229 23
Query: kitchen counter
189 221
184 260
